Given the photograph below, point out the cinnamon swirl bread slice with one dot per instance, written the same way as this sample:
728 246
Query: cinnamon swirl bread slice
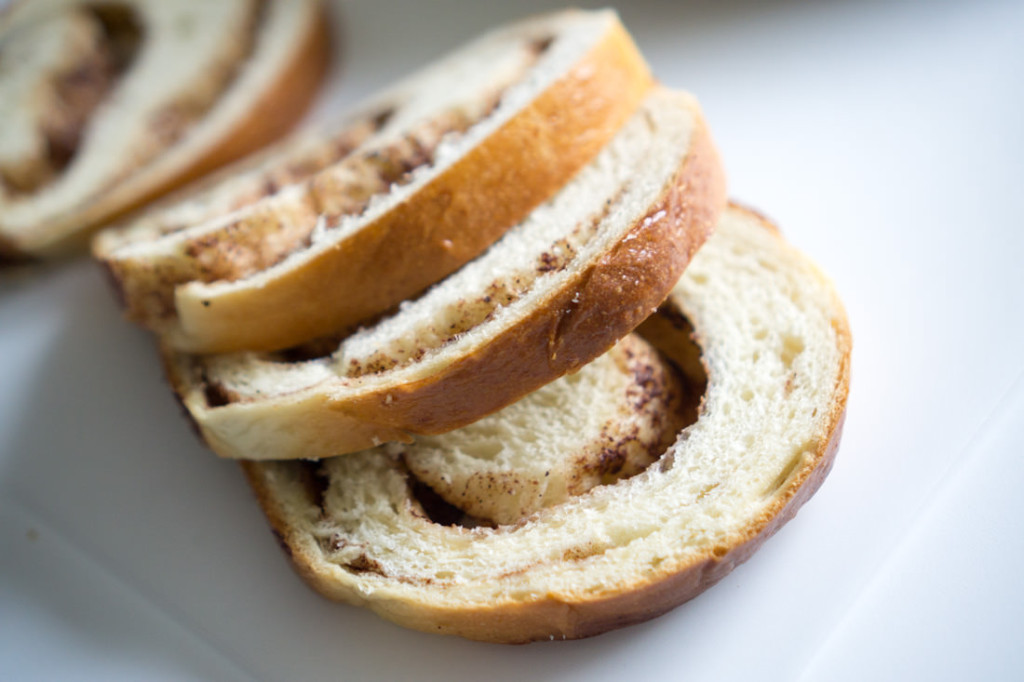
104 106
554 293
333 229
775 343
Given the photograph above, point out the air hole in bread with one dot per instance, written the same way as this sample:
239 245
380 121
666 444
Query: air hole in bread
440 511
215 394
123 33
673 335
314 482
540 46
311 350
694 378
581 553
364 564
792 346
382 117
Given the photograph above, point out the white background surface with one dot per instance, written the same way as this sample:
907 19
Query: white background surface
886 140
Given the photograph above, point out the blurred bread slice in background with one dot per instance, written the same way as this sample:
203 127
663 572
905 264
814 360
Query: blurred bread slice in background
104 106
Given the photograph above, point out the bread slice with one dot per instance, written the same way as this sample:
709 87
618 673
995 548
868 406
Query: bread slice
106 105
775 343
554 293
606 422
281 251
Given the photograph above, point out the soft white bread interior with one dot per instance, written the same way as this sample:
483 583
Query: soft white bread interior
608 421
106 105
554 293
775 344
432 172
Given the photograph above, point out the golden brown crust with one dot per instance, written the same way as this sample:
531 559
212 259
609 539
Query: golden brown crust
583 319
282 104
447 223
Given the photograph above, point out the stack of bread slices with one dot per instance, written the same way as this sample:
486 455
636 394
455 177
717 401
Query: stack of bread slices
498 357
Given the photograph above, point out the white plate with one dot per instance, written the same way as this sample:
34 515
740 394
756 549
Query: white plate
887 142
